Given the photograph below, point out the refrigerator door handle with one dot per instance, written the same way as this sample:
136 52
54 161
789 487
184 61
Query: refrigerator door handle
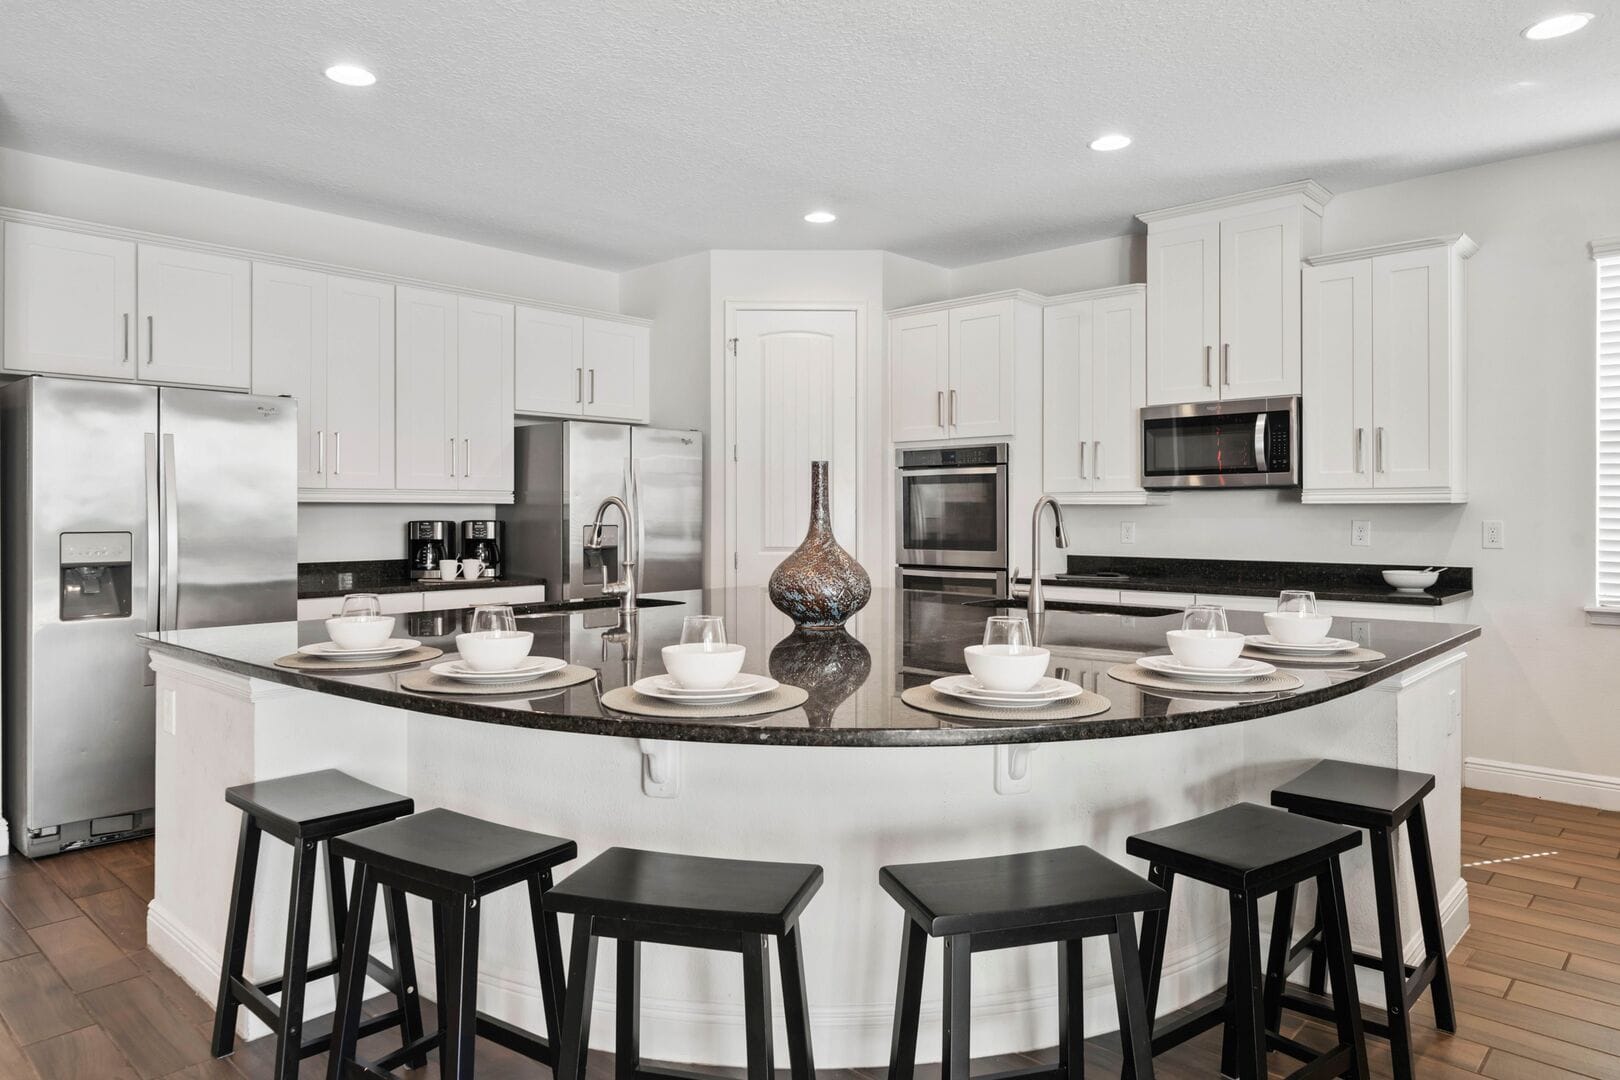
171 540
152 542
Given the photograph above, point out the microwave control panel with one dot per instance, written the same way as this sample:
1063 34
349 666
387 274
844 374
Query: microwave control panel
1279 443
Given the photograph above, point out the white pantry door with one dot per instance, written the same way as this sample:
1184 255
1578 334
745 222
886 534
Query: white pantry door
795 376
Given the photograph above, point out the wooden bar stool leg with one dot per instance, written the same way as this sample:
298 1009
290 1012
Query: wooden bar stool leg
1342 968
351 988
1391 952
439 962
406 996
236 935
548 951
335 888
757 1007
956 1053
456 1050
289 1040
796 1004
1135 1032
1319 957
576 1033
1229 1030
1282 939
1248 1000
1155 927
1434 938
627 1038
1071 1010
907 1000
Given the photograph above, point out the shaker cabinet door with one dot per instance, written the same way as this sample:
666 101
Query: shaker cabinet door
1184 313
919 375
195 318
617 362
550 367
1259 353
484 395
359 384
289 355
427 437
69 303
1067 430
980 402
1337 373
1119 389
1412 413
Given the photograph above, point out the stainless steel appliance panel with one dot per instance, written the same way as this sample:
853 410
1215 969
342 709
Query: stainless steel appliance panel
596 464
951 507
666 473
983 583
1246 443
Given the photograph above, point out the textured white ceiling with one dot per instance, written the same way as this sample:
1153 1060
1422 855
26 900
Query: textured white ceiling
621 132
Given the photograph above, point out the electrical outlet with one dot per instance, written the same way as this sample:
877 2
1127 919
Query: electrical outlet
1361 534
1491 534
1127 532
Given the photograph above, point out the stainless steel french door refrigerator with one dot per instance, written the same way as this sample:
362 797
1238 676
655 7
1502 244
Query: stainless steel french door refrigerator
123 509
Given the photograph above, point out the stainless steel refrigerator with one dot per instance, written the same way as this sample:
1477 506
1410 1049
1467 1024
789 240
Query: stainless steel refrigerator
123 509
566 468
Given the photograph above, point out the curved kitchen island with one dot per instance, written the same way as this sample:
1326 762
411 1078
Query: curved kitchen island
852 780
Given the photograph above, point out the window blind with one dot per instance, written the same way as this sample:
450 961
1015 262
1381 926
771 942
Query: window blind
1608 429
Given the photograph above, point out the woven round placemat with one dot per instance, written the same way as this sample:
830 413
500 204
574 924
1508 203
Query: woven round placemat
300 662
928 699
1350 657
1260 684
425 682
626 700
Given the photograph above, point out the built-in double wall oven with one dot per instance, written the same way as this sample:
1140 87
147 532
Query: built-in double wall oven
951 531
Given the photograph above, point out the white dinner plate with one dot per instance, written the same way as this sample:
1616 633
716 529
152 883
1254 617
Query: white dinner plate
1046 692
1323 647
743 683
653 687
1240 670
328 650
531 667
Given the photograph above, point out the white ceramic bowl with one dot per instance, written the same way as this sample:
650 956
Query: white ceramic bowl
1411 579
360 631
700 666
494 650
997 667
1199 648
1297 627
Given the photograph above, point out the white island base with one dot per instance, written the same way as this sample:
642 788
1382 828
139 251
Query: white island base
850 810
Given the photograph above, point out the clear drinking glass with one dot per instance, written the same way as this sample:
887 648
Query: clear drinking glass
360 606
1204 619
493 617
1011 631
705 630
1297 601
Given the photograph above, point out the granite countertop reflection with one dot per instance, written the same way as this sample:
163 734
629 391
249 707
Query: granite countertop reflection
855 678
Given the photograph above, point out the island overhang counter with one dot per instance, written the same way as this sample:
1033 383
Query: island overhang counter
853 780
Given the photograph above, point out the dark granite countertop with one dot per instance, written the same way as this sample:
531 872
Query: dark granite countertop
316 580
1352 582
902 639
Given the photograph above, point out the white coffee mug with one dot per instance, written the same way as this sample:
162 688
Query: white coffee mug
471 568
447 569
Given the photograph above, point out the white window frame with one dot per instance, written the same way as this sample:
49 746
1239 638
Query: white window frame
1605 606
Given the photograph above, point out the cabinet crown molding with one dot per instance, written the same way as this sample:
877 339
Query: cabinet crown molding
963 301
1461 243
1095 294
1306 193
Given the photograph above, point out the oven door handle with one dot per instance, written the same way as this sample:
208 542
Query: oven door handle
951 470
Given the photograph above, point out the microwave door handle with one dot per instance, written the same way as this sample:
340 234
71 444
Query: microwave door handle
1260 443
171 539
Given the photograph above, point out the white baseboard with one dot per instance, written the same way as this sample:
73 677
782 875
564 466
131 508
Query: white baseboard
1539 782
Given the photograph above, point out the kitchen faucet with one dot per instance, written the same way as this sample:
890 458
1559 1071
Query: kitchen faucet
625 587
1037 601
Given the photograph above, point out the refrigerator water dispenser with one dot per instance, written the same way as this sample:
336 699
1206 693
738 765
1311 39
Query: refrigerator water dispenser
95 576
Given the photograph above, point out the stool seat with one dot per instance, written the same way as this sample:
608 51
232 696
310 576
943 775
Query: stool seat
1352 794
1244 847
1005 892
316 805
455 852
689 891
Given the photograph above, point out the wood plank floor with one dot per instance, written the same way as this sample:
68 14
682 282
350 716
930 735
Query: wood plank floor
1537 977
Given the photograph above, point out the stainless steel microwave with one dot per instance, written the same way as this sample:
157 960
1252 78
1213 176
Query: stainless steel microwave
1221 444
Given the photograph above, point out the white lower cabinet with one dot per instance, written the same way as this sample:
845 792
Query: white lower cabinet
1384 369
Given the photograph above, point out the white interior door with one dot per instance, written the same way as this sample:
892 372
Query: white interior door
794 378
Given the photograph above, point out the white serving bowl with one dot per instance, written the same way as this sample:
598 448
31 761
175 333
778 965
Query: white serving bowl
1202 648
698 665
360 631
494 650
1298 627
998 667
1411 579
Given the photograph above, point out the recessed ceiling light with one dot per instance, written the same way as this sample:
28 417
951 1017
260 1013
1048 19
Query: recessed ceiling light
821 217
1558 25
1110 142
350 75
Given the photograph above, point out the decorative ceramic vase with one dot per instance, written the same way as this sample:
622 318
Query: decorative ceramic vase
829 664
820 586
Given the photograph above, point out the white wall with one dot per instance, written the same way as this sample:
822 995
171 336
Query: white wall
1118 260
675 294
1542 684
335 532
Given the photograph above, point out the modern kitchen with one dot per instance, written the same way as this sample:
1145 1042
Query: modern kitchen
479 481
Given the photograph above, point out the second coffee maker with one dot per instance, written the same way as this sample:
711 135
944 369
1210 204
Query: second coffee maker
481 540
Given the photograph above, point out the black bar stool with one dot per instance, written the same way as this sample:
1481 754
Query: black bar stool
1379 800
703 903
303 811
453 861
1061 896
1250 851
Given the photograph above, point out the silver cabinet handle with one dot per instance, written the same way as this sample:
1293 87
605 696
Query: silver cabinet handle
1209 357
1378 448
1226 364
151 342
125 360
320 452
452 455
1096 460
466 457
1082 459
1360 436
953 406
939 408
592 398
579 384
337 453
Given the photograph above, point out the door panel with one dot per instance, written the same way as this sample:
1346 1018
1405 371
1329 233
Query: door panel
1067 430
289 355
1337 373
426 343
919 375
195 321
616 358
1410 408
981 384
550 365
1120 390
1260 304
1183 314
359 384
484 395
69 303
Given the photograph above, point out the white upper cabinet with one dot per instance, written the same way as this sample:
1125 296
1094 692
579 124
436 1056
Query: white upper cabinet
980 402
359 385
1095 367
953 367
1385 374
550 371
69 303
289 355
616 358
194 318
919 375
426 372
1224 294
484 394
